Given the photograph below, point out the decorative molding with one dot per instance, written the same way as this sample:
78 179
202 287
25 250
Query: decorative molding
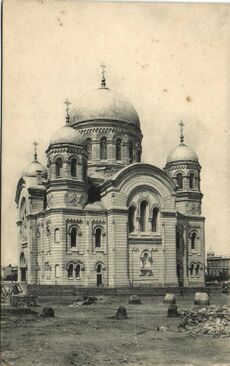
193 208
98 222
75 199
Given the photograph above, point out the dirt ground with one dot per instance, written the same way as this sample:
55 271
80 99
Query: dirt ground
89 336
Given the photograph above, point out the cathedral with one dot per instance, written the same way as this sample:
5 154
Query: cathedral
96 216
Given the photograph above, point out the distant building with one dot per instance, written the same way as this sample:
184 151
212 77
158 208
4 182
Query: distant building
97 216
9 273
218 266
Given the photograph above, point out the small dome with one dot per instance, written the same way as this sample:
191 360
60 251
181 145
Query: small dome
182 153
33 168
104 104
67 135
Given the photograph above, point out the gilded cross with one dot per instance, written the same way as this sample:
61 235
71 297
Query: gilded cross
67 103
35 143
103 82
181 124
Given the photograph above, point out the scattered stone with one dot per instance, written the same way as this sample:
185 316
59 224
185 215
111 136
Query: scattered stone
121 313
134 299
213 321
201 298
170 299
164 329
172 311
47 312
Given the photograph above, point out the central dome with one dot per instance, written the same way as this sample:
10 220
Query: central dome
104 104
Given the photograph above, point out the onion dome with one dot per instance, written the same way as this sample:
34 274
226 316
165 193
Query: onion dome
102 104
35 167
182 152
66 135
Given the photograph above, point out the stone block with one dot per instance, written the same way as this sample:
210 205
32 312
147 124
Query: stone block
121 313
170 299
134 299
172 311
201 298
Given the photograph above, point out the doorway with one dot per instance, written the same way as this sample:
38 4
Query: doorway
99 275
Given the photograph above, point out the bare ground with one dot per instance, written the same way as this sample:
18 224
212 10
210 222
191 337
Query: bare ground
89 336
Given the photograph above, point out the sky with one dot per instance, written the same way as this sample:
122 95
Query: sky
170 60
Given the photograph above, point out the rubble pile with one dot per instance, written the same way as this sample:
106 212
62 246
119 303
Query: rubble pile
212 320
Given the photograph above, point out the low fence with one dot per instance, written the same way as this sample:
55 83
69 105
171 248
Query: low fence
71 290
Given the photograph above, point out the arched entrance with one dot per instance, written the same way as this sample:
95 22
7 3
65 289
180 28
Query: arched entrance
23 268
99 274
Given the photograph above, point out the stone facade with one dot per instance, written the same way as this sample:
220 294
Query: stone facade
99 217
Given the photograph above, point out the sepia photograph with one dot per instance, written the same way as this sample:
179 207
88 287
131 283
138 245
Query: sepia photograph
115 181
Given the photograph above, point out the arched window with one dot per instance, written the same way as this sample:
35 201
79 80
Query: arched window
58 166
139 155
70 271
73 237
98 238
143 216
88 146
191 180
179 180
130 153
56 235
99 274
118 149
197 269
57 271
131 219
193 241
78 271
154 219
177 240
191 269
103 148
73 167
23 267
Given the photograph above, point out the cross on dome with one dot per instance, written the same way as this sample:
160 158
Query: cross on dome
181 124
67 103
103 81
35 143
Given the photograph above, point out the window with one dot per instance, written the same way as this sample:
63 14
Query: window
130 153
154 219
73 237
179 180
191 180
177 240
146 264
70 271
78 271
98 238
73 167
57 271
193 241
191 269
139 155
103 148
58 166
131 218
197 269
143 216
56 235
118 149
88 146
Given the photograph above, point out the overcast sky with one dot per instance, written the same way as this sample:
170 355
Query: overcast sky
170 60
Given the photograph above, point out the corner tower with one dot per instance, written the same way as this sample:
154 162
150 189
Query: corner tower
184 168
